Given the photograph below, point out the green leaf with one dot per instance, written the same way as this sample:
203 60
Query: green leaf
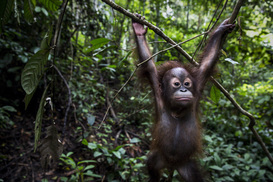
33 2
71 162
223 52
96 154
215 94
227 167
118 147
84 142
208 138
33 71
51 148
117 154
51 5
92 146
69 154
91 119
28 98
126 57
45 44
38 120
28 10
246 156
216 168
124 174
86 161
98 43
90 173
9 108
89 167
238 133
6 7
44 11
134 140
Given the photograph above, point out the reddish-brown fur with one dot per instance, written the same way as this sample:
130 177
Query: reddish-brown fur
177 90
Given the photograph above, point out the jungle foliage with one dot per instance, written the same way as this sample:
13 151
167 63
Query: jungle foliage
66 89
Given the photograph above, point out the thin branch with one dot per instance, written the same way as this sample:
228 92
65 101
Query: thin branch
151 26
109 106
173 46
250 116
59 23
55 39
139 64
236 11
190 59
69 98
75 118
209 29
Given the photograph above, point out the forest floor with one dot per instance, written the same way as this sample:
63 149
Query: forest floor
18 160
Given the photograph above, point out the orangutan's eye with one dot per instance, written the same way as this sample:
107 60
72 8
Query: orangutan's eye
187 82
177 84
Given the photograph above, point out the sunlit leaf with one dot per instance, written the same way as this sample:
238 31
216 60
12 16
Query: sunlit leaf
98 43
89 167
90 173
33 2
223 52
216 168
51 5
91 119
92 146
97 154
231 61
134 140
117 154
215 94
84 142
86 161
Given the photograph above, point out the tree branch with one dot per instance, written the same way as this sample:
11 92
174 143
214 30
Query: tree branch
69 98
236 11
137 66
152 27
190 59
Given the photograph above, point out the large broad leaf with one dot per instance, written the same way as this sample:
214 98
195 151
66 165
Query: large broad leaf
38 120
6 7
215 94
97 43
33 71
51 148
45 45
28 10
52 5
28 98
